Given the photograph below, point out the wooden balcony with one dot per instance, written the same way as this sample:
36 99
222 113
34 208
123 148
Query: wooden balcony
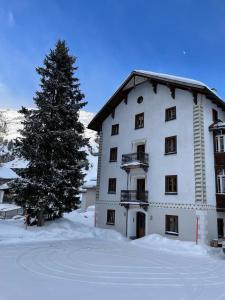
135 160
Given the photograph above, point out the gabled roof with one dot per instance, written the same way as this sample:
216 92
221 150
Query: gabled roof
139 76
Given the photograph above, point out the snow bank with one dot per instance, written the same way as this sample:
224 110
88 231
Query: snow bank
157 242
73 226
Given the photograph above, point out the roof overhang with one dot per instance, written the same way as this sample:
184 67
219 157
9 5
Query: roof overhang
138 77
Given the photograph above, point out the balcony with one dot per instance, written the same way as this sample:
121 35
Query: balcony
134 197
135 160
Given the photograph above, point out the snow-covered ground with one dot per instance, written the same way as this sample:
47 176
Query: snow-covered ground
70 259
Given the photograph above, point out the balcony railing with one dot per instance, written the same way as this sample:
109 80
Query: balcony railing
134 196
135 159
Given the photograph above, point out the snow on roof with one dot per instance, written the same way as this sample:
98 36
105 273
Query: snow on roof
89 184
6 173
8 207
192 85
4 186
172 77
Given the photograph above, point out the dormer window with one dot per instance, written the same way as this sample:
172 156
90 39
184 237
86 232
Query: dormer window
220 141
140 100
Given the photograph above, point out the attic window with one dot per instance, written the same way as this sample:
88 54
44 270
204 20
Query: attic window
140 99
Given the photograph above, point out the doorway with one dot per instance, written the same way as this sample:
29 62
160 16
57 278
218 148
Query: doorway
140 224
140 152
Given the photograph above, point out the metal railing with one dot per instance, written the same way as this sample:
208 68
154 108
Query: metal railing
134 196
140 157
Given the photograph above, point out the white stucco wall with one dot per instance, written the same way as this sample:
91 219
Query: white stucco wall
154 132
181 164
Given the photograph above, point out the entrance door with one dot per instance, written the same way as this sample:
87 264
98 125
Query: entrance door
140 223
220 228
140 152
141 189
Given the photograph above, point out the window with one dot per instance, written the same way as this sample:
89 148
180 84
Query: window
113 154
220 143
171 184
115 129
221 182
171 145
170 113
111 216
172 225
139 121
112 186
214 115
140 100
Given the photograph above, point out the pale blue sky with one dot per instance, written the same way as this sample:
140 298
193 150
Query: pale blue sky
110 39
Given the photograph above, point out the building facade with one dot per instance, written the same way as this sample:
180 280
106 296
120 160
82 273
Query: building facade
162 163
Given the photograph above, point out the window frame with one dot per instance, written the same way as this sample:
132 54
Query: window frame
137 125
108 217
167 192
112 153
220 141
167 111
116 130
111 182
168 223
220 183
167 139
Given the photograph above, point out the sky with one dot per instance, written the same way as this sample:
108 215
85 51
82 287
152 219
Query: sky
110 38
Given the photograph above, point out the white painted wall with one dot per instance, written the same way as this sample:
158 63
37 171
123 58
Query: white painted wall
180 164
154 132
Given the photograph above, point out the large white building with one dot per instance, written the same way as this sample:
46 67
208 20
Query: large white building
161 165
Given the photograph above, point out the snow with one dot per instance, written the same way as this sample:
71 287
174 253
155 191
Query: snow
8 207
172 77
13 231
131 163
70 259
157 242
6 173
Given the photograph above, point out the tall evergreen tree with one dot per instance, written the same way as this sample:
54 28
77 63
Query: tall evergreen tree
52 138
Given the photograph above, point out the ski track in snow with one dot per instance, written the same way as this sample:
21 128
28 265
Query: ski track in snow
120 266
